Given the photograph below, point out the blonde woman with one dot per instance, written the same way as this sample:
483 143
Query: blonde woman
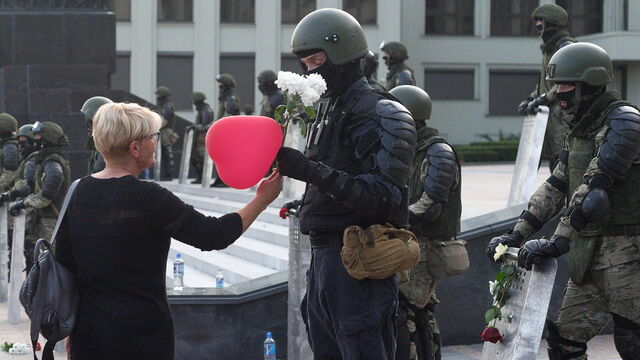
116 237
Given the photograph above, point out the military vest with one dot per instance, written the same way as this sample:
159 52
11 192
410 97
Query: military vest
448 224
624 195
52 154
222 105
392 76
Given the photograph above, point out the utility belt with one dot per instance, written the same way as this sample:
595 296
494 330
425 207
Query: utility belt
621 230
323 239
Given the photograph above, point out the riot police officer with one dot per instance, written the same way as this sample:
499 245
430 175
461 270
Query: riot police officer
52 178
434 215
551 22
228 101
9 153
204 119
599 168
272 96
89 108
394 55
369 65
168 136
25 180
360 148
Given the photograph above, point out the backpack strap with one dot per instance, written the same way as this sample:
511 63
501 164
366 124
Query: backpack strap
65 204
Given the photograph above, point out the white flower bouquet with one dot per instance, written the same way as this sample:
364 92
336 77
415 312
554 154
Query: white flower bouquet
301 92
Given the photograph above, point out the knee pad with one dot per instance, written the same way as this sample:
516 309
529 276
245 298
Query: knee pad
626 336
557 343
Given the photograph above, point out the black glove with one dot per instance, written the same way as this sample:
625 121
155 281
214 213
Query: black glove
534 252
513 238
290 208
4 197
522 108
294 164
16 207
532 107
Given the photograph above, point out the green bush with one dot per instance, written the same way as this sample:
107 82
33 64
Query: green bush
489 151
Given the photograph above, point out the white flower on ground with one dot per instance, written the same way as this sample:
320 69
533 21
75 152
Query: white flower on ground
317 83
501 249
492 287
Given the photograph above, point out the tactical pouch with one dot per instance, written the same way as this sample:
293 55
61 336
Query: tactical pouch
447 258
379 251
581 257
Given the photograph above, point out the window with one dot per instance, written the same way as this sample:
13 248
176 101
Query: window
507 88
450 84
122 9
294 10
291 63
449 17
121 78
175 10
365 11
513 17
242 68
237 11
585 16
176 73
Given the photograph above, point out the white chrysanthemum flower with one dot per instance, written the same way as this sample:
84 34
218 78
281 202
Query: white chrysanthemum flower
309 96
492 287
289 82
317 83
501 249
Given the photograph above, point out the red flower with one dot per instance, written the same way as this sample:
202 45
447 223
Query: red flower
38 347
284 212
491 334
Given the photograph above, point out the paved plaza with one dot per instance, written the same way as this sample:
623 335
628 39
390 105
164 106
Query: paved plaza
485 188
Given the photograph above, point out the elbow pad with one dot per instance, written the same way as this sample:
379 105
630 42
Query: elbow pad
53 180
622 146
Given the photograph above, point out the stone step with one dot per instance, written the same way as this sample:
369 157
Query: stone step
270 255
192 276
234 269
242 196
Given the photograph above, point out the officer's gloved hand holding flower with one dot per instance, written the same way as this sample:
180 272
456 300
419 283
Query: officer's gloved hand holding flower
302 92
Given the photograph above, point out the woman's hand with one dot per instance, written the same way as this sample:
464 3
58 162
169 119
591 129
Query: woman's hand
269 188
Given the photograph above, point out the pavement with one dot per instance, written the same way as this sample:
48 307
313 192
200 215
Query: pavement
485 188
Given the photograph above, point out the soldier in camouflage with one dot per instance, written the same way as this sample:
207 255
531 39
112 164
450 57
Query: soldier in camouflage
369 65
599 173
272 96
52 177
89 108
434 215
394 55
168 136
228 101
9 153
551 22
204 119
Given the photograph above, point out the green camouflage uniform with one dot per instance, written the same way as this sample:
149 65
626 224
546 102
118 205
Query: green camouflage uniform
605 257
7 176
419 292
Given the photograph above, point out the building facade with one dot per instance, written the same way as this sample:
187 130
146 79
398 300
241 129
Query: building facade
476 58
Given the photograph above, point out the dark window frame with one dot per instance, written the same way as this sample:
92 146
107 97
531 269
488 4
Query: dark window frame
252 89
185 21
177 54
527 26
227 21
588 16
122 54
527 86
127 19
360 7
298 11
451 70
458 15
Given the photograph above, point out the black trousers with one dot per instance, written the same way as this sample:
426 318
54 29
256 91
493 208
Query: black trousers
349 318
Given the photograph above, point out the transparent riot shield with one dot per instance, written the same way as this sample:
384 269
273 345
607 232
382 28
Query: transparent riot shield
17 264
4 252
208 170
524 314
528 159
158 166
299 260
185 159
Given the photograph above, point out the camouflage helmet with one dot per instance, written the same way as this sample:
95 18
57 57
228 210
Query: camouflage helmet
50 132
226 79
197 96
551 13
580 62
416 100
267 76
396 50
91 106
335 31
8 123
26 131
163 91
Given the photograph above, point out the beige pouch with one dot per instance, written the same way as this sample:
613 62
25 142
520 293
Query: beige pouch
379 251
447 258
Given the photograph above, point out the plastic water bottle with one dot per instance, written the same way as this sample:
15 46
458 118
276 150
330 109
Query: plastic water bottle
219 280
269 348
178 273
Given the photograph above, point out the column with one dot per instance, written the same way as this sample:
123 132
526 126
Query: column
144 49
268 40
206 49
329 4
613 15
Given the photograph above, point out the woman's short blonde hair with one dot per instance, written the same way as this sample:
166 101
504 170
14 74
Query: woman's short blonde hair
116 125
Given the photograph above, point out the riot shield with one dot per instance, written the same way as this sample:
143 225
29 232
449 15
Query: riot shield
4 252
185 159
17 264
158 166
528 159
299 260
524 315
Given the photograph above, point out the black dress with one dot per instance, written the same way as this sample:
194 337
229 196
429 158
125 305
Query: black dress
115 238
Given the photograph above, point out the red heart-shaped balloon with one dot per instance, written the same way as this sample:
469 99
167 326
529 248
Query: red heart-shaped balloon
243 148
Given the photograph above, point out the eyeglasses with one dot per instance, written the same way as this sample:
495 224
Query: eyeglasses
154 137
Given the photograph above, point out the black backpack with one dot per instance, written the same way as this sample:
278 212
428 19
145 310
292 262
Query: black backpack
49 294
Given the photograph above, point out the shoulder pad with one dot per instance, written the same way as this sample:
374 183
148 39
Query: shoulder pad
53 179
390 109
622 145
167 110
404 77
10 156
398 140
565 43
441 171
232 105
